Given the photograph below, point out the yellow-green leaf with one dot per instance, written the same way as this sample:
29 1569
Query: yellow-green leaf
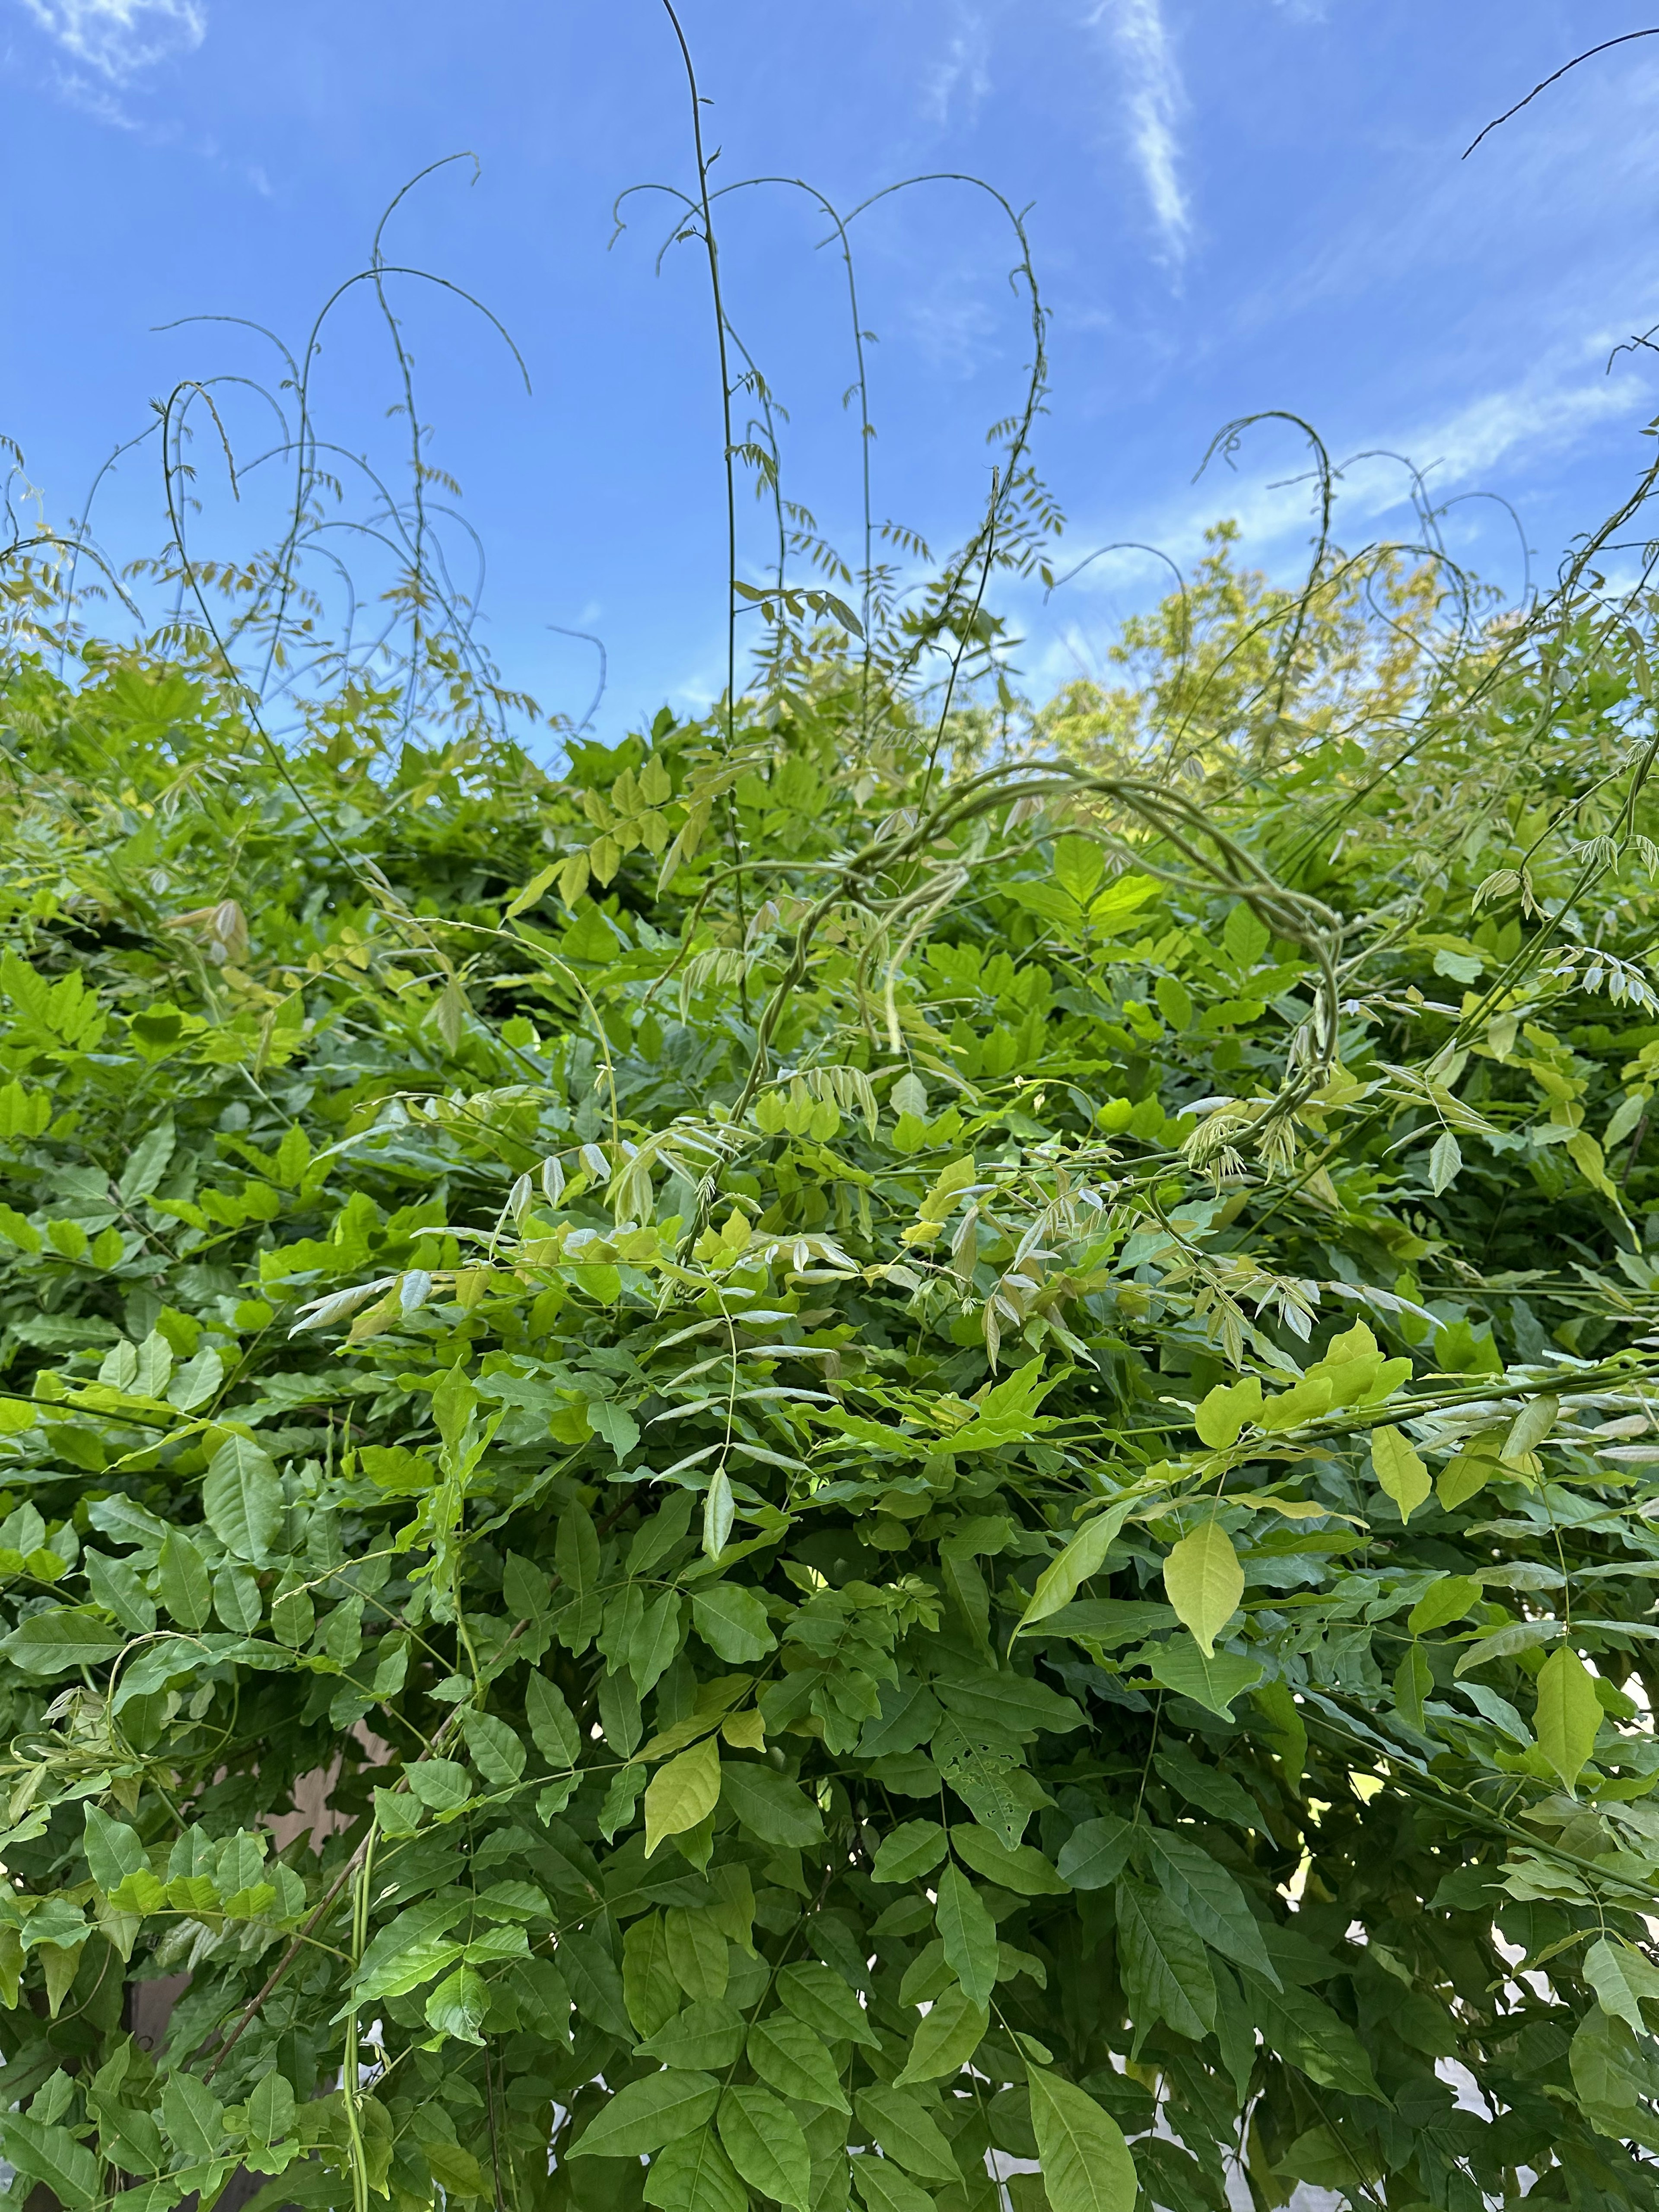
1220 1416
1445 1601
1086 2166
1060 1581
1205 1583
1398 1469
1303 1401
949 2033
1529 1428
682 1793
1569 1713
533 890
1469 1470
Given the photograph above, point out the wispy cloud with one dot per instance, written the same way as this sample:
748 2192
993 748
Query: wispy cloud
118 38
1155 100
1493 442
962 71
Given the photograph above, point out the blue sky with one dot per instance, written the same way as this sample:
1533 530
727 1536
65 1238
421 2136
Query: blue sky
1235 204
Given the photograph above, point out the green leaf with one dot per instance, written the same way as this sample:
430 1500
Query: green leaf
442 1785
1308 2035
1220 1415
644 2115
52 1641
113 1851
1205 1583
718 1510
51 2155
530 893
422 1958
968 1935
1445 1156
1165 1974
709 2035
1569 1714
885 2187
492 1747
817 1995
1208 1788
1179 1665
1609 2074
242 1500
913 1849
656 1538
196 1382
651 1988
949 2034
1469 1470
898 2120
454 2168
1078 863
1095 1854
1621 1977
1504 1643
615 1423
271 2108
1244 937
1208 1898
1017 1704
192 2116
187 1589
731 1621
1398 1469
769 1806
552 1724
1174 1002
1529 1428
793 2059
682 1792
763 2138
576 1551
655 1644
1448 1600
1303 1401
457 2007
693 2174
128 2138
115 1586
146 1163
1025 1871
1413 1680
1086 2165
524 1586
698 1951
236 1598
1085 1556
596 1987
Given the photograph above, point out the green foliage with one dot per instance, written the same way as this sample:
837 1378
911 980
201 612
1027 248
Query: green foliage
895 1496
932 1425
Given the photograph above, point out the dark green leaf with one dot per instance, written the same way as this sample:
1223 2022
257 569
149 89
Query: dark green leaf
796 2061
644 2115
763 2141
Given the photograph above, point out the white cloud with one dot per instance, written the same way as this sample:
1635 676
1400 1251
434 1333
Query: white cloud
1154 99
1493 442
117 37
962 69
1474 446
